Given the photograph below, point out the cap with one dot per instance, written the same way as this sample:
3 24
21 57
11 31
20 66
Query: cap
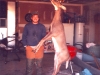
35 13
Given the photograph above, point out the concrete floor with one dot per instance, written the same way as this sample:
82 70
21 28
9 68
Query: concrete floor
14 67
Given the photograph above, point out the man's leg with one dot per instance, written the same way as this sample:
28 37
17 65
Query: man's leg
29 66
39 66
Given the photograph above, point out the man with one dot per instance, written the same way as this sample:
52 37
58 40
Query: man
33 32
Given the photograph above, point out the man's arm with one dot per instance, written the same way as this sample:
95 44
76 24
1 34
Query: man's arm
43 31
24 36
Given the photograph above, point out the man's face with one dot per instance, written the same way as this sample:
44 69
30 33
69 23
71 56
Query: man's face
35 18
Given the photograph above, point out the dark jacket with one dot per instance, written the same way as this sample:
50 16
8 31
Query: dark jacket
32 34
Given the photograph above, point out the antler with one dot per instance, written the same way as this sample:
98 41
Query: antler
57 3
60 1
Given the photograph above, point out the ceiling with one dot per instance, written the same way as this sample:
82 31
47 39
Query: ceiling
69 1
80 1
65 1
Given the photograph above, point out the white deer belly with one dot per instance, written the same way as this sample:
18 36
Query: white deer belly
56 46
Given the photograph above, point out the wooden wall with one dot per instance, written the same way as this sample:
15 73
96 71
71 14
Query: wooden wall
92 26
97 28
45 10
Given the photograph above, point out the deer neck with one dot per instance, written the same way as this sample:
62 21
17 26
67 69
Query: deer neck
57 16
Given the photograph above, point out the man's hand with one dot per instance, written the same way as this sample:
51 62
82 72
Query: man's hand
39 45
24 46
34 51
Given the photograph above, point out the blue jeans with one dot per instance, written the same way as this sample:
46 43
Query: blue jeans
31 63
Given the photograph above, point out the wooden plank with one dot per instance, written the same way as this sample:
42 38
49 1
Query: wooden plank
84 65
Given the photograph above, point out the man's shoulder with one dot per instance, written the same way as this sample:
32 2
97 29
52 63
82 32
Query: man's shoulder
41 24
28 24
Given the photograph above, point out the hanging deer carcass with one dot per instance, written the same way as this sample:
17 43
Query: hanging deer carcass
58 37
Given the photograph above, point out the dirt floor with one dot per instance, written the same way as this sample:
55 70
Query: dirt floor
14 67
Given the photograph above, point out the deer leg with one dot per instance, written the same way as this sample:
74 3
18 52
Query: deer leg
57 64
71 67
48 36
70 63
67 63
56 68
